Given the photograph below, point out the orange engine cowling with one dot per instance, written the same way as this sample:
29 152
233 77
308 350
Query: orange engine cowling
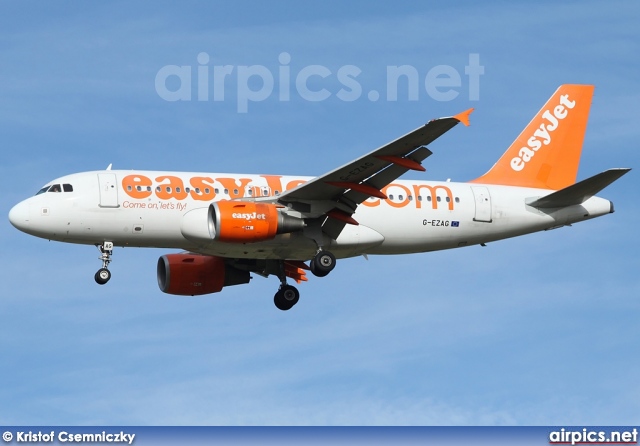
246 221
195 274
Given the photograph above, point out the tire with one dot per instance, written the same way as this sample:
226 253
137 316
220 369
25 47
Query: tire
102 276
286 297
323 263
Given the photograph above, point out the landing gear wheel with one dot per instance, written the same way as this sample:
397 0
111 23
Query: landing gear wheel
102 276
286 297
323 263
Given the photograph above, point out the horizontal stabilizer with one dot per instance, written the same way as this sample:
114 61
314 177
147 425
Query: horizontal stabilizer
580 192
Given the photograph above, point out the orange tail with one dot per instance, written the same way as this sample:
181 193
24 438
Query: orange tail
546 155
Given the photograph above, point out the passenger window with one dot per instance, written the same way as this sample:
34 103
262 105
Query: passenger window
55 188
67 188
439 199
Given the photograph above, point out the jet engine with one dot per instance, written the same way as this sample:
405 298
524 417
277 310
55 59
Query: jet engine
195 274
245 222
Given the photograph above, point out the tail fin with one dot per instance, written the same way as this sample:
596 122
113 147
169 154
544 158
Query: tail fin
546 155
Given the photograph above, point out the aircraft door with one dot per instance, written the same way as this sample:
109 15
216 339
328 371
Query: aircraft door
483 203
108 190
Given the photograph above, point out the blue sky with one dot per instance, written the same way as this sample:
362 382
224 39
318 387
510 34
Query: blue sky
536 330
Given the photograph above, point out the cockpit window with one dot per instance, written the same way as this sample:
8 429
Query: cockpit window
55 188
43 190
67 188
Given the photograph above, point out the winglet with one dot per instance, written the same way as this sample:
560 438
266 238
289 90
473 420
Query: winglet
464 117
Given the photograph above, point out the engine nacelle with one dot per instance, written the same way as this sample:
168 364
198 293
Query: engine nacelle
195 274
246 221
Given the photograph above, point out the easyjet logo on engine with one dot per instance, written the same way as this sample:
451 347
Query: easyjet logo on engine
543 134
249 217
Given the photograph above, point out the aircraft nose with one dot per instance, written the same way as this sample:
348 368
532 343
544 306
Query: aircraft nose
19 216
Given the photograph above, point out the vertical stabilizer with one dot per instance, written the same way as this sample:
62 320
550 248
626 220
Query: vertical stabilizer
546 155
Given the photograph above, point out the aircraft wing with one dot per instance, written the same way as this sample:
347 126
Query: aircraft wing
337 194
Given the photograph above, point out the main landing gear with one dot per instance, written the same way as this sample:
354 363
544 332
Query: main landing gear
103 275
287 296
323 263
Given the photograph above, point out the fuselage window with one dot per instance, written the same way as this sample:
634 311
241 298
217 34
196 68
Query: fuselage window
207 190
419 197
198 190
277 192
55 188
67 188
216 191
177 189
391 197
43 190
457 200
447 199
438 199
138 188
428 197
400 197
158 189
410 197
249 192
235 192
168 188
226 191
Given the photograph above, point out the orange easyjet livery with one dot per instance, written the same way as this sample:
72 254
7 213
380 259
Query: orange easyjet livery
230 226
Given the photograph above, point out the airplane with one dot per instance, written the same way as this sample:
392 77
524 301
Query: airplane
230 226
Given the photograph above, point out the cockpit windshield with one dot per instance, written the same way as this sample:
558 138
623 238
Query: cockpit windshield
56 188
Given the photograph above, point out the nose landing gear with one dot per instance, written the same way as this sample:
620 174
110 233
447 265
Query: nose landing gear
103 275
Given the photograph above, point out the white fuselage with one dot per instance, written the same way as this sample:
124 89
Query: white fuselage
146 209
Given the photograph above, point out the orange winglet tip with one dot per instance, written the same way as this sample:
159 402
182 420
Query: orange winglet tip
359 187
404 162
464 117
342 216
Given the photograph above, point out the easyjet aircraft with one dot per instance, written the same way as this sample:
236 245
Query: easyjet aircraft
230 226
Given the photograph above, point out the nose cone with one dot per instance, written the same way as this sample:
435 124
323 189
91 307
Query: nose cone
19 216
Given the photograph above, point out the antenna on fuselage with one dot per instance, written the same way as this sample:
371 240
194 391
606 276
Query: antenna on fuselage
109 166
